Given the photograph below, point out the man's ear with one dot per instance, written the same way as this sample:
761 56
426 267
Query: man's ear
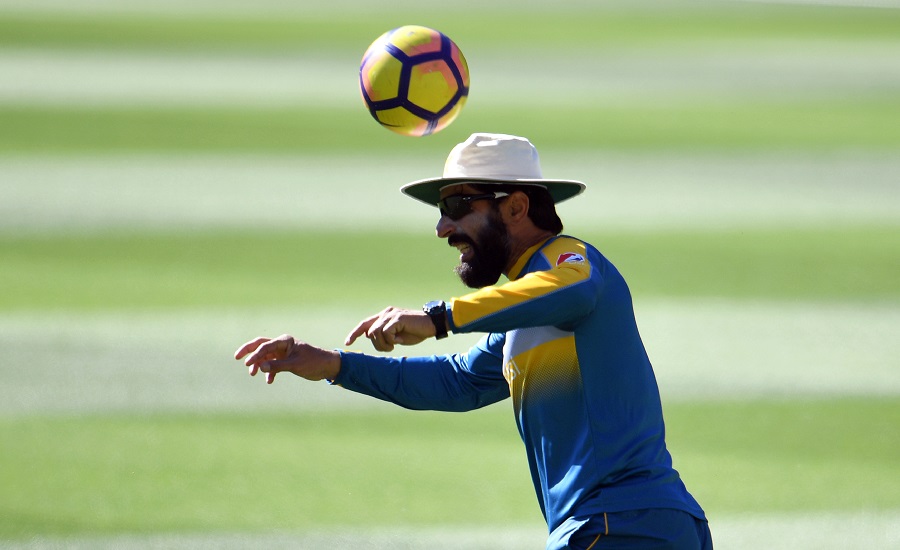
516 206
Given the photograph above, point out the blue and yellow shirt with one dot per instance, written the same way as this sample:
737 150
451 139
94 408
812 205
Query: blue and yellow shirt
562 341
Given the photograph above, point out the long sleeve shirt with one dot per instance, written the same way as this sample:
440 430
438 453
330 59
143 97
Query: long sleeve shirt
562 341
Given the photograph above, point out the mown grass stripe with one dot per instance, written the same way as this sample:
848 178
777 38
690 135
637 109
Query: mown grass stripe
626 191
155 361
788 531
726 126
104 475
354 28
172 270
737 74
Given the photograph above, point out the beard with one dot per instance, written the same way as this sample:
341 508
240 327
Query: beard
490 254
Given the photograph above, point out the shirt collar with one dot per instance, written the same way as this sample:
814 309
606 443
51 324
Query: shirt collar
517 267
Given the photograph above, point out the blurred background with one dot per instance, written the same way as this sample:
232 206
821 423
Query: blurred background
177 178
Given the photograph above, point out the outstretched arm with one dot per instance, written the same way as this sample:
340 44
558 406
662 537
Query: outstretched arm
448 383
286 354
459 382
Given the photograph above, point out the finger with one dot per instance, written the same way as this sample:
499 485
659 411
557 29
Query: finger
262 353
264 368
271 368
271 349
249 346
379 343
390 332
360 329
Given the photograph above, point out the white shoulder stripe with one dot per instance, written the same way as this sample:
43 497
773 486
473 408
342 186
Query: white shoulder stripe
521 340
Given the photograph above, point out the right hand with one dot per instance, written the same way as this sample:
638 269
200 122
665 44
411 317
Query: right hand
392 326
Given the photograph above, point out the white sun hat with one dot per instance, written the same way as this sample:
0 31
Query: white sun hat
492 159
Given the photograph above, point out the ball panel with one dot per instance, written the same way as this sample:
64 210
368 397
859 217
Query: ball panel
451 115
381 77
401 121
460 62
416 40
432 85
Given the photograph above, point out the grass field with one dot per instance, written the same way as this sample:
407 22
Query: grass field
177 178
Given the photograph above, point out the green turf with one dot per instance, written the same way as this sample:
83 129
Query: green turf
187 473
735 125
838 454
82 474
229 268
204 472
583 26
837 263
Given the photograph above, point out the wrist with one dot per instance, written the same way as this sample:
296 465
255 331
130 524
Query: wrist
335 367
437 312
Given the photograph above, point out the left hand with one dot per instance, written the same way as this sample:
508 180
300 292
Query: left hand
394 326
287 354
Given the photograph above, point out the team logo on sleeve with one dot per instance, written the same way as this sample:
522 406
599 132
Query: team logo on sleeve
570 258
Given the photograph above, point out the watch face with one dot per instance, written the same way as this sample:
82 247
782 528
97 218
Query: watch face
431 306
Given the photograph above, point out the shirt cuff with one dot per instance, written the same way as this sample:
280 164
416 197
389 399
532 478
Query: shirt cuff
451 326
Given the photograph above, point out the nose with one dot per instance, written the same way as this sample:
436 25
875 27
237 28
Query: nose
445 227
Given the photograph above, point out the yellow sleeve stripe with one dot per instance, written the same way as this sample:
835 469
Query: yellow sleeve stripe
489 300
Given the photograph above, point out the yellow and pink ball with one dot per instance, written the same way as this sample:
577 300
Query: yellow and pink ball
414 80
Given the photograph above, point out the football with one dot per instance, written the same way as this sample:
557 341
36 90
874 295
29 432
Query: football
414 80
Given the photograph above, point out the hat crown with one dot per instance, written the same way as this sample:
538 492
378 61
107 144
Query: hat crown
492 159
494 156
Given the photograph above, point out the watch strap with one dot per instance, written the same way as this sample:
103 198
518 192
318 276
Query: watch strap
437 312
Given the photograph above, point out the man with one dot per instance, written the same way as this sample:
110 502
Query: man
561 340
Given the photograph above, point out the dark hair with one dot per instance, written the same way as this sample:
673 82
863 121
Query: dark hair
541 208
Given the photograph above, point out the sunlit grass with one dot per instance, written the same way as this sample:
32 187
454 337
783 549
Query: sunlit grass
822 125
91 474
493 24
256 268
226 472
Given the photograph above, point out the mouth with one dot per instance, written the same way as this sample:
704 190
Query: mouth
465 246
465 251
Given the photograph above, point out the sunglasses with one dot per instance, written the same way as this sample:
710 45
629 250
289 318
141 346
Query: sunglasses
457 207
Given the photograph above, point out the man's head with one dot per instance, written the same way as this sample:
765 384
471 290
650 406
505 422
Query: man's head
493 227
494 203
475 226
482 239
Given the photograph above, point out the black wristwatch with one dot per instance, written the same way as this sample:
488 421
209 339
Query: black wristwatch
437 310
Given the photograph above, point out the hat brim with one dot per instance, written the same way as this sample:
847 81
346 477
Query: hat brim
428 191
